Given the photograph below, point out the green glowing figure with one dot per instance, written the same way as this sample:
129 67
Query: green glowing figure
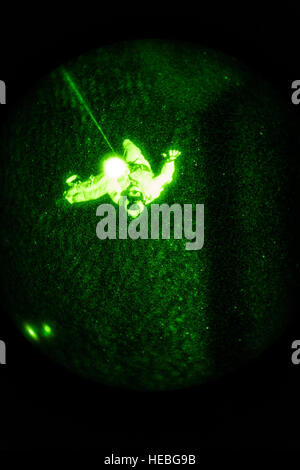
129 176
149 315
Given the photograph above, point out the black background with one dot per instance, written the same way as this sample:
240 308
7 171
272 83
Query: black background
44 406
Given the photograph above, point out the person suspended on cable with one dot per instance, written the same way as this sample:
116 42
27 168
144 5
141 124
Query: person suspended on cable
129 176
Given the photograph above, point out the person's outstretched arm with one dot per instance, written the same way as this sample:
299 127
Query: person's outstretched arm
93 188
166 175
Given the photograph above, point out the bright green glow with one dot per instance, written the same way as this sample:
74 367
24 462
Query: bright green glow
119 175
31 332
115 167
172 154
47 330
71 179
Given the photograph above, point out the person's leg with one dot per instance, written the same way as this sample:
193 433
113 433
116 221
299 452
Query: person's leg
93 188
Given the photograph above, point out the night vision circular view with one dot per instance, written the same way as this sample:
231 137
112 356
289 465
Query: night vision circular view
144 243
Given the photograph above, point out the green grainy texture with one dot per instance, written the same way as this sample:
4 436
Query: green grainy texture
148 314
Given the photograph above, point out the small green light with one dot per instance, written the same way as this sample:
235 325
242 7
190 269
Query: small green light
47 330
31 332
